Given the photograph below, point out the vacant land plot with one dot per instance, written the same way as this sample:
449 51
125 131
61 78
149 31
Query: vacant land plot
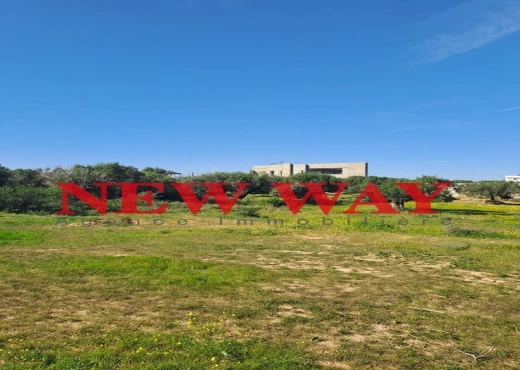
312 292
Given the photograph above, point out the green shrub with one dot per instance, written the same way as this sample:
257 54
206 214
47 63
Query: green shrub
28 199
276 202
248 211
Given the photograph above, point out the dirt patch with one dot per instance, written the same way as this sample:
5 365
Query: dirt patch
364 270
478 277
311 237
377 332
418 266
357 338
297 252
288 310
334 365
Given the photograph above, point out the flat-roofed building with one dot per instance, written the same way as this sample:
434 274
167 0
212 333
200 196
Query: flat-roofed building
339 170
513 178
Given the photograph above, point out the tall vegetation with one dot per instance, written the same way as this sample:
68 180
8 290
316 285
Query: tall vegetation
491 189
34 190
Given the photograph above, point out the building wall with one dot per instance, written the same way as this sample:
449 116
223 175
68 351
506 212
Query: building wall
284 169
299 168
356 169
347 169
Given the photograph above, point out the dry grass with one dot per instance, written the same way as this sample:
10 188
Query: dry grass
257 297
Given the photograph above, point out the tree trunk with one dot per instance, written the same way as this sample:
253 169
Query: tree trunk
398 205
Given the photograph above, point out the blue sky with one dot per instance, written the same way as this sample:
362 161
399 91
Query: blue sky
411 87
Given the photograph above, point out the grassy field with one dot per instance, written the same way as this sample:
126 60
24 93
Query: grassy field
180 291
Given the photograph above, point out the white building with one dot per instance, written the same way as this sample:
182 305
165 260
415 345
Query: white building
513 178
340 170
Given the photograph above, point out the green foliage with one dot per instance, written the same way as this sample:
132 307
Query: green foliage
330 181
26 177
5 173
429 187
161 175
386 185
247 211
258 184
169 193
393 193
26 199
491 189
444 196
156 174
299 190
85 176
471 233
276 202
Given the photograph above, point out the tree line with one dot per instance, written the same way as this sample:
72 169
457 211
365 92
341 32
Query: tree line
34 190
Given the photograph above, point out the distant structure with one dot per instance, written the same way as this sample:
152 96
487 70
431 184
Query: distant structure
339 170
173 174
513 178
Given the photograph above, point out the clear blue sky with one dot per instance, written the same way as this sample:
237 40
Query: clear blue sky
411 87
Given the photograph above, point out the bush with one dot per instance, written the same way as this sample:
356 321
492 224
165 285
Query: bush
25 199
248 212
276 202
